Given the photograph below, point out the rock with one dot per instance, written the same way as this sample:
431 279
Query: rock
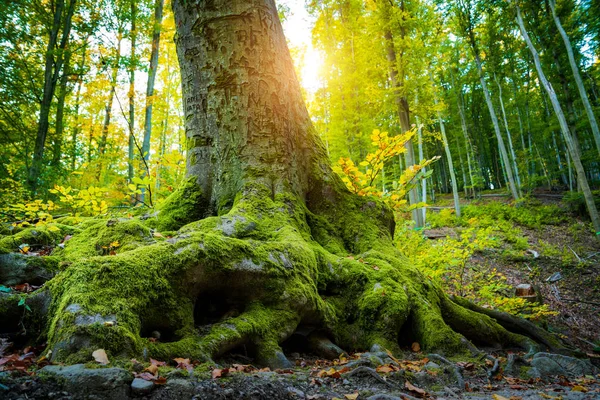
383 397
102 383
555 277
547 364
140 387
16 269
180 388
372 359
432 365
296 393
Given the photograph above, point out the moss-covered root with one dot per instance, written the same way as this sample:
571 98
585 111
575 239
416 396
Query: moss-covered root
259 329
480 328
520 326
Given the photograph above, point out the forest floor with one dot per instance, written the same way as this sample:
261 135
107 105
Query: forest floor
561 260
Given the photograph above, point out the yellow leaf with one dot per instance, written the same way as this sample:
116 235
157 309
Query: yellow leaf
498 397
352 396
100 356
579 388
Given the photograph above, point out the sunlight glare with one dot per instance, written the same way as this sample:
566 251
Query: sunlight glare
310 74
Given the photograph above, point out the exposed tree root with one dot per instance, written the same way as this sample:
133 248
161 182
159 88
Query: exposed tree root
251 278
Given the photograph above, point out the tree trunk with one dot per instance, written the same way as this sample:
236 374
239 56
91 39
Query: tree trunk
132 68
421 158
158 12
52 70
510 143
60 111
572 145
468 145
574 67
448 153
283 252
466 20
77 127
111 96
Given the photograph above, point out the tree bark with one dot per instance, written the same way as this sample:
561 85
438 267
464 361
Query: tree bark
572 145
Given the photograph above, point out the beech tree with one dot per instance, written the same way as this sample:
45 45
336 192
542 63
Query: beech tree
263 238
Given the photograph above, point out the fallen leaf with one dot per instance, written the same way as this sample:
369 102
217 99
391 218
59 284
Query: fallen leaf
389 353
161 380
157 234
416 347
579 388
517 387
385 369
352 396
100 356
412 388
219 373
157 363
184 363
153 369
466 365
147 376
498 397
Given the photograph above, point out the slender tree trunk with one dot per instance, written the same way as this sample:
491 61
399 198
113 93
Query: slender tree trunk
421 158
158 12
109 104
490 105
77 127
132 67
574 67
571 144
60 111
52 70
510 143
468 146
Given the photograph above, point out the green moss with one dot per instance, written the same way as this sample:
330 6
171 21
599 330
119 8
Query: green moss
185 205
102 237
32 236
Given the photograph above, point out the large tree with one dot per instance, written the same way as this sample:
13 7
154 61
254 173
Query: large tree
262 238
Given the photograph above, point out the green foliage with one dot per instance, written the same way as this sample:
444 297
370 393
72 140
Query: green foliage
483 228
366 183
576 202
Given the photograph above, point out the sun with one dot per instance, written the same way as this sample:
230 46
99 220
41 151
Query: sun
310 78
